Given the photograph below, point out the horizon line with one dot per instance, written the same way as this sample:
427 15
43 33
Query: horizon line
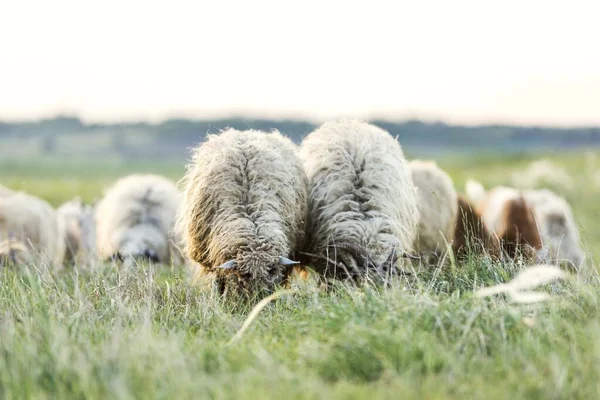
300 117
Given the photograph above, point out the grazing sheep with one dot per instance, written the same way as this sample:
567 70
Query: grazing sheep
30 230
438 207
77 219
471 236
244 209
14 252
135 218
505 211
557 226
363 210
475 192
518 230
540 173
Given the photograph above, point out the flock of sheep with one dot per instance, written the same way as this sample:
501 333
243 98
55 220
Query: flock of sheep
254 207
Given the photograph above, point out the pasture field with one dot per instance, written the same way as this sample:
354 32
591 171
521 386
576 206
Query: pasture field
102 332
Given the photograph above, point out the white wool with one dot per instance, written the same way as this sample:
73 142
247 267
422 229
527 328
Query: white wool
361 195
475 192
77 220
541 173
556 222
438 206
34 223
136 215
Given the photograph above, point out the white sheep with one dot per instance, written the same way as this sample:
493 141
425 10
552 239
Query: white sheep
540 173
135 219
77 220
438 207
28 222
244 209
556 223
363 210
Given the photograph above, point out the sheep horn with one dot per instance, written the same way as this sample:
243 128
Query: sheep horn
287 261
228 265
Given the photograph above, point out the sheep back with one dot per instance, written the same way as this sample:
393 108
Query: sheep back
245 201
77 219
556 223
505 211
136 216
438 207
32 222
362 203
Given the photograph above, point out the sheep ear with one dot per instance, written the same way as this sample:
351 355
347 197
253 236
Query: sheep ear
228 265
287 261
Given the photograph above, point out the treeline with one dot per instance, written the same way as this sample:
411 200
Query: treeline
171 137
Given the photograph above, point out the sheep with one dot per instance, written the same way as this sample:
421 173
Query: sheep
438 207
135 218
543 172
556 222
30 230
77 219
5 192
505 211
244 210
518 230
471 236
14 252
363 210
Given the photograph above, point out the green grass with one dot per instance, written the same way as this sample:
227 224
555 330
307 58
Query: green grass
148 333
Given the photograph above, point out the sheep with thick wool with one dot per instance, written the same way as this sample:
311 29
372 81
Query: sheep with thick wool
556 223
79 229
135 218
438 207
505 211
363 210
244 209
29 230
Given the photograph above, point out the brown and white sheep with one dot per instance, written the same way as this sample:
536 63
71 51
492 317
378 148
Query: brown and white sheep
471 236
505 211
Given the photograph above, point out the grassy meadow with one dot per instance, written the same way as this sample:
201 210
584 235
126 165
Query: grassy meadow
144 333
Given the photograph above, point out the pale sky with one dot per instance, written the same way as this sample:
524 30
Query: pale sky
515 61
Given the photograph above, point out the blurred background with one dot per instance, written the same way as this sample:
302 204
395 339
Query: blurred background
140 79
90 91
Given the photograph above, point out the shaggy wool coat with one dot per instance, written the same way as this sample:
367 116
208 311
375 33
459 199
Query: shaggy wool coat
363 209
244 204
